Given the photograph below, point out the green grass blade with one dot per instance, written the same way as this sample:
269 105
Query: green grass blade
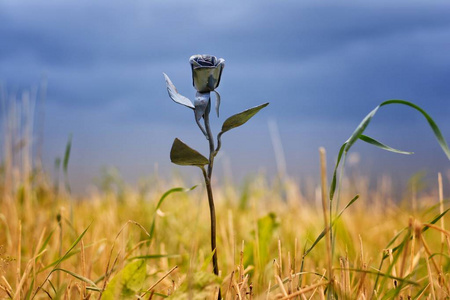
66 162
322 234
46 241
384 256
74 244
391 242
62 258
419 293
440 254
399 279
207 261
79 277
72 253
431 122
155 256
30 290
333 181
380 145
358 134
160 202
396 254
360 129
67 154
54 263
400 246
425 228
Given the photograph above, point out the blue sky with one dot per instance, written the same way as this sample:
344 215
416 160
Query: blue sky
322 65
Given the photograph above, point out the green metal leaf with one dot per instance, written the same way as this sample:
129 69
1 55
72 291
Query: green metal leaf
241 118
182 154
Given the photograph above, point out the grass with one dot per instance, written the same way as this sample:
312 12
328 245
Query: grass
263 232
275 240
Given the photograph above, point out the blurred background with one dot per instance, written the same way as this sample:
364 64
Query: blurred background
93 70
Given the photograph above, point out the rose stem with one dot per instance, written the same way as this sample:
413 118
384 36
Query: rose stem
207 175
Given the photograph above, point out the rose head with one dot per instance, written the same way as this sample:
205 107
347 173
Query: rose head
206 72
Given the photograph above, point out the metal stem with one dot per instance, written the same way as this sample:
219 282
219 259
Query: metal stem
207 176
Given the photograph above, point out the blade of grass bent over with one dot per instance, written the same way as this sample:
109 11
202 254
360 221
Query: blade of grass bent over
441 140
93 286
161 200
358 134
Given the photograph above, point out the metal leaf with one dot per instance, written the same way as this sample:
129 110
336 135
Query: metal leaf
201 104
183 155
217 102
175 96
241 118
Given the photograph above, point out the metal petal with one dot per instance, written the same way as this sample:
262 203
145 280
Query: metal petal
193 61
217 102
175 96
221 66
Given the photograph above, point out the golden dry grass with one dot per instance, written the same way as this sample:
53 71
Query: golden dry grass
54 245
263 229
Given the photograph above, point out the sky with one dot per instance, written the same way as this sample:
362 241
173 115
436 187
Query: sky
322 65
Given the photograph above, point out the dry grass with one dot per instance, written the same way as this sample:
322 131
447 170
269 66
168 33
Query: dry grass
56 246
261 244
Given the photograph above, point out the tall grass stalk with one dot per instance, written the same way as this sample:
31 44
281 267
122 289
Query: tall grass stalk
328 236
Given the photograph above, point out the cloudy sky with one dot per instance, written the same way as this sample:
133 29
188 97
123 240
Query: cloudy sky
322 65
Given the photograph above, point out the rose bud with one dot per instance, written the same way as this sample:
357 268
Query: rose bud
206 72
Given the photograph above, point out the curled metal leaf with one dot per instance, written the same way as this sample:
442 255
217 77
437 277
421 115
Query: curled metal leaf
175 96
182 154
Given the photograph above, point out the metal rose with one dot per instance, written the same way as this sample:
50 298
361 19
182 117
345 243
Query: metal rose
206 72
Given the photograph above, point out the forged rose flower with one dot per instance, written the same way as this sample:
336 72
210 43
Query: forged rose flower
206 72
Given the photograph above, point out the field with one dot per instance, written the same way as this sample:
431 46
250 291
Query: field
277 238
61 247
